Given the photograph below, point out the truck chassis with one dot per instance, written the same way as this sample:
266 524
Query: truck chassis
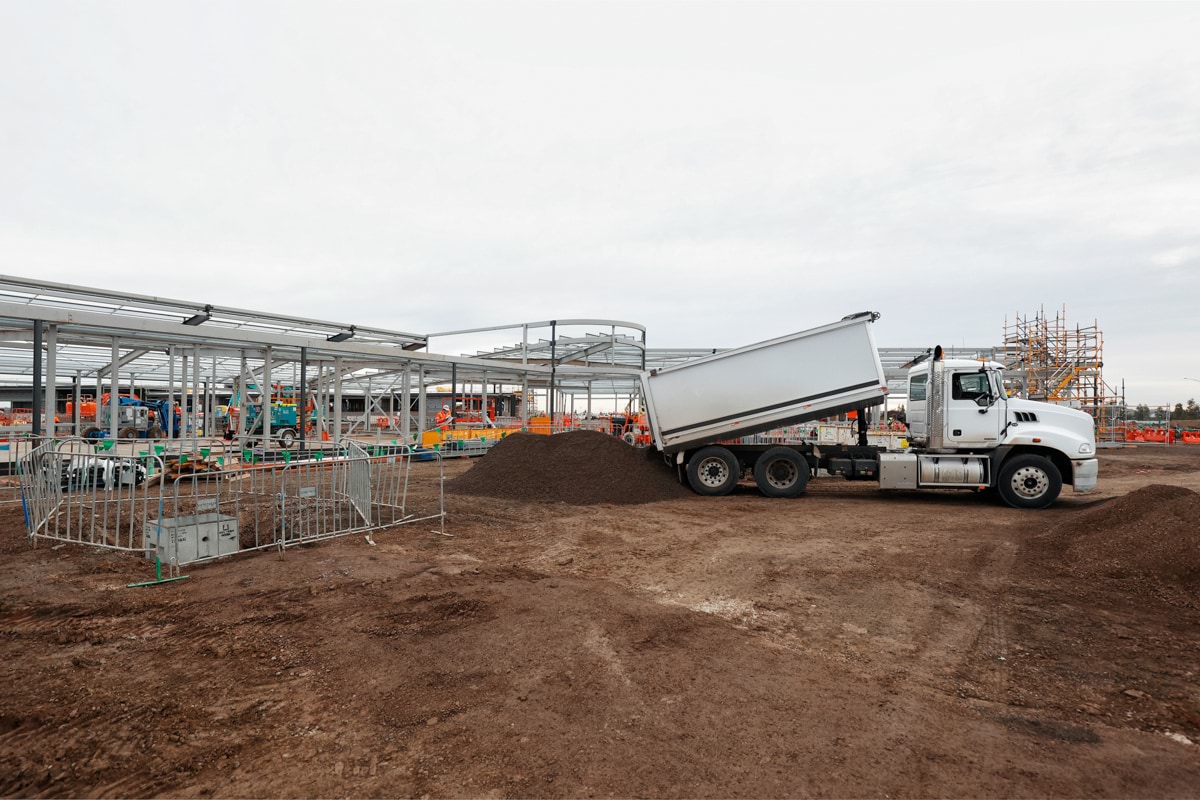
1022 479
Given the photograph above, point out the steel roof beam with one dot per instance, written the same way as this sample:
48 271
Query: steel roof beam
88 297
541 324
209 337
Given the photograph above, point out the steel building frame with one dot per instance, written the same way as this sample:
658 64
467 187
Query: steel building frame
102 339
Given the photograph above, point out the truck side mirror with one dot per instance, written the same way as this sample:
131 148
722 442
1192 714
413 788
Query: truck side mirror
984 400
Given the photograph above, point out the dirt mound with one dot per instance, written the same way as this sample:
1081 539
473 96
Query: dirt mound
579 468
1148 540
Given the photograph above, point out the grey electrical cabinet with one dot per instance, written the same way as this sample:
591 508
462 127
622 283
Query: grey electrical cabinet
191 538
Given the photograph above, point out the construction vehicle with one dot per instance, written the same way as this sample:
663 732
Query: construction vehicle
285 415
965 432
285 422
631 428
136 418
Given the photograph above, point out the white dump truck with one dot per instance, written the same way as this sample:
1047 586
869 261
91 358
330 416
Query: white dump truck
965 432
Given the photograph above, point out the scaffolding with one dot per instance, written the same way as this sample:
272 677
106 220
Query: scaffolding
1055 361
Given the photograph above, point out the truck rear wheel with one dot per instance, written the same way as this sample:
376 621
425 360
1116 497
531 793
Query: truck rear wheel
128 433
1029 481
287 437
781 472
713 471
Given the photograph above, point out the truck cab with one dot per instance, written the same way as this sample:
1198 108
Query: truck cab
1026 450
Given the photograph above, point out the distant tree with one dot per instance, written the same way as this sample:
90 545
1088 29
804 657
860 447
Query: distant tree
1192 410
1177 412
1142 411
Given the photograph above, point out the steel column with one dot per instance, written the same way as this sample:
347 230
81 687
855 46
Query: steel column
337 401
170 392
265 397
242 405
367 405
553 367
483 398
36 404
406 418
422 403
196 397
114 396
75 411
302 400
51 404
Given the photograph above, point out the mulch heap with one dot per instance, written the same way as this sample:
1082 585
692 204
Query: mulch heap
578 468
1148 541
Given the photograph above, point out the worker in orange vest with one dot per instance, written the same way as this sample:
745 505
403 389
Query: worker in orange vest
444 418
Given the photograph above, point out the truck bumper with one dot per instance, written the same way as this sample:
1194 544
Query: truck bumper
1086 473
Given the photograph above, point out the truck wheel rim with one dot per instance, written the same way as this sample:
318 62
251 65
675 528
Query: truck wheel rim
713 472
782 474
1030 482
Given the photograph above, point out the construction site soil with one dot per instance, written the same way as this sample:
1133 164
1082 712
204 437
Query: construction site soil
847 643
578 468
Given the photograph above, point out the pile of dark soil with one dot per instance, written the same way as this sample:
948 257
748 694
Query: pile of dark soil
579 468
1148 540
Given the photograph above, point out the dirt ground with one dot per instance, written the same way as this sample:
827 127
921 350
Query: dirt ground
847 643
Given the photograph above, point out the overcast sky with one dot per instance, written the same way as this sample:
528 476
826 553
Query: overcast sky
722 172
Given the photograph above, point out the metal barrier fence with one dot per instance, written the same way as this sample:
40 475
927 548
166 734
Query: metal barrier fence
139 503
40 490
87 497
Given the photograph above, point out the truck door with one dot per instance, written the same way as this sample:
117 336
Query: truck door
915 411
973 412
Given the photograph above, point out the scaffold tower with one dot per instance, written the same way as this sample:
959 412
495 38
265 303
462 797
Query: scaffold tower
1060 362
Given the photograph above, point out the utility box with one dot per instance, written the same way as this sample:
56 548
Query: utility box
897 471
191 538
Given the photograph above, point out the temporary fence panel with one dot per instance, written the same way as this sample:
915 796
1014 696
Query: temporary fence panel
123 502
358 480
41 485
91 498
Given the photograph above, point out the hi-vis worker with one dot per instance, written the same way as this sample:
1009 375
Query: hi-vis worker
444 418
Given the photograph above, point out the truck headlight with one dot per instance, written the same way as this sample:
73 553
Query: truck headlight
1085 448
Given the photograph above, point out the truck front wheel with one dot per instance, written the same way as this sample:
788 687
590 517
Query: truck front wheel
1029 481
781 472
713 471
